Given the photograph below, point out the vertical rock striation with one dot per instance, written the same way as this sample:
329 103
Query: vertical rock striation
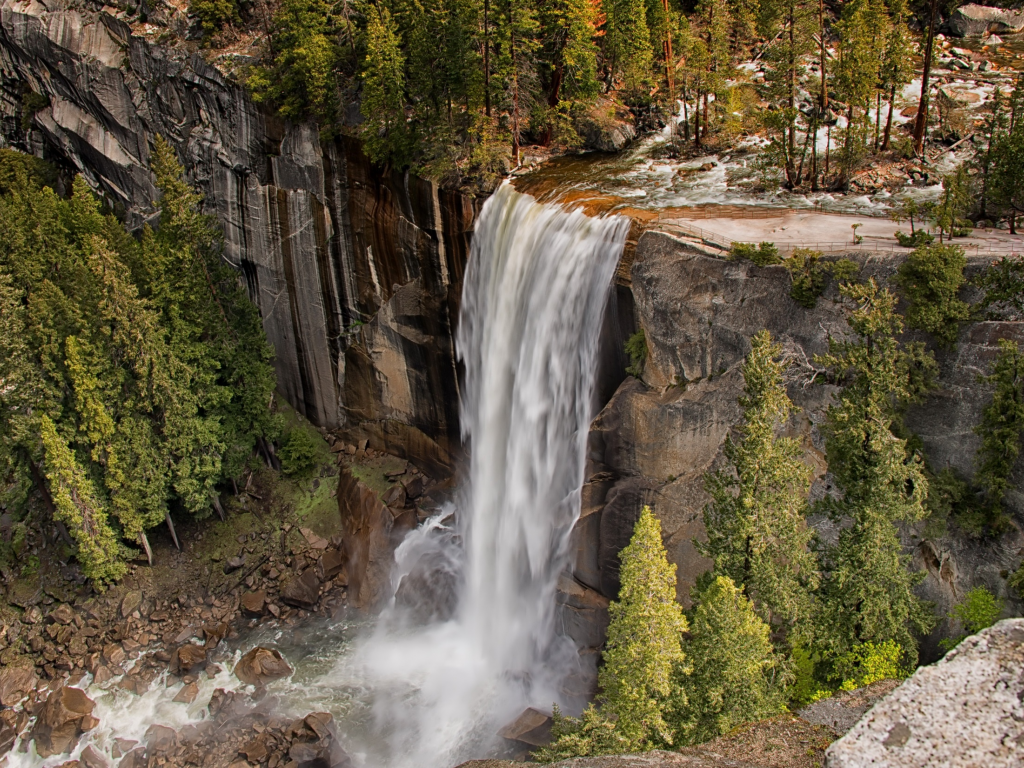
357 274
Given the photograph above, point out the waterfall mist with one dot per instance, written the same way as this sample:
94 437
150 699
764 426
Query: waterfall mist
470 638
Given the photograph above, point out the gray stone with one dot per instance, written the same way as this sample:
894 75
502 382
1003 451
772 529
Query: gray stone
966 710
973 20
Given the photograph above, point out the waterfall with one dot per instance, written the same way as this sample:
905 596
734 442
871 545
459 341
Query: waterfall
445 675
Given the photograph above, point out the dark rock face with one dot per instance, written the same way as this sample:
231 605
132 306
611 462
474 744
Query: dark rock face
357 275
655 439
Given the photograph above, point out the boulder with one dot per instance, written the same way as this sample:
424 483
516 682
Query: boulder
261 665
160 738
532 727
92 758
134 759
60 721
974 20
254 603
62 614
302 591
130 603
7 737
188 658
16 683
332 562
966 710
187 694
841 712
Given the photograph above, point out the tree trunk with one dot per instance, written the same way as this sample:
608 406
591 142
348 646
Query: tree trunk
145 546
878 117
669 58
823 56
888 121
921 121
174 534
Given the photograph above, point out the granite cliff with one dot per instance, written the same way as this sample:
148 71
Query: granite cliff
356 272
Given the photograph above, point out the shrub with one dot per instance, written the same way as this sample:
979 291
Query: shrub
810 274
763 254
931 278
214 14
636 348
869 662
979 609
915 240
303 450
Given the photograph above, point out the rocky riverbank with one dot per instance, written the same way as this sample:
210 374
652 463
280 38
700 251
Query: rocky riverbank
278 562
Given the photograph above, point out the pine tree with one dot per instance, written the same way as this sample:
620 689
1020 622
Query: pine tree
78 506
931 277
867 594
516 35
1007 176
734 675
897 63
789 23
301 78
755 524
383 106
643 645
1001 426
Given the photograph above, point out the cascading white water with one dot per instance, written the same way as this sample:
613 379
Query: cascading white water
535 290
473 642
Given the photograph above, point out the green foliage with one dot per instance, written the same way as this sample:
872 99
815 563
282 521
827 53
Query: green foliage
383 106
810 275
78 505
303 450
1005 183
1016 581
1003 283
954 203
916 240
734 675
145 358
869 662
868 594
301 79
931 278
591 734
763 254
636 348
215 14
31 103
755 519
978 609
1000 429
643 645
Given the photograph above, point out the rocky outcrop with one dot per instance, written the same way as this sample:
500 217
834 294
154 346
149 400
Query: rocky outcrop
966 710
658 436
356 273
973 20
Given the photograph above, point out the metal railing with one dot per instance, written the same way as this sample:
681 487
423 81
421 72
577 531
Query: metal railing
724 244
